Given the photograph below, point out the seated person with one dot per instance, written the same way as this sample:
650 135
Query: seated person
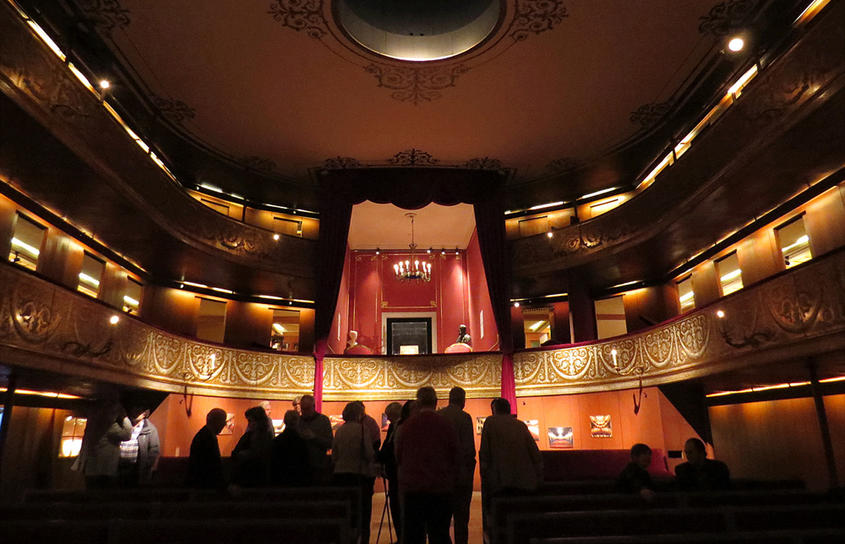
635 477
700 473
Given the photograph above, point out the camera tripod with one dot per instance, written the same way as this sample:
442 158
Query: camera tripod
386 512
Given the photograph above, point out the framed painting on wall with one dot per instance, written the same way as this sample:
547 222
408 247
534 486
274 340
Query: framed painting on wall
533 427
479 423
229 428
560 437
600 427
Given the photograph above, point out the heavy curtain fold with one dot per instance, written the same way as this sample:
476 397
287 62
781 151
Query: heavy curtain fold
411 188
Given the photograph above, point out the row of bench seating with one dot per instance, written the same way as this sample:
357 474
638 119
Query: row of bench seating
313 515
735 514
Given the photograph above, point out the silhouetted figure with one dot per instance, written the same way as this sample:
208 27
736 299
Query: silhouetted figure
316 430
462 422
463 337
251 456
289 462
205 468
700 473
427 453
139 454
353 456
509 457
387 457
635 478
99 455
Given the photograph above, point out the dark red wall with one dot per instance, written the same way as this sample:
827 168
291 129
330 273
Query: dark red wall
456 294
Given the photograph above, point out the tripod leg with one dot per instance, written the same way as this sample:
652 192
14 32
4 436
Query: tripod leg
381 523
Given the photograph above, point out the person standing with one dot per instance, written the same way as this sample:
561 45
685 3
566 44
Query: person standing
427 453
205 468
139 455
353 457
99 456
251 456
462 422
387 457
316 429
289 463
509 457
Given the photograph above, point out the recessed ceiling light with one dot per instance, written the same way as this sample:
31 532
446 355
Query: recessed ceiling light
275 237
105 84
736 44
516 304
114 320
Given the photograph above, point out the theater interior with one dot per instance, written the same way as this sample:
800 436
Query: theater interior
635 210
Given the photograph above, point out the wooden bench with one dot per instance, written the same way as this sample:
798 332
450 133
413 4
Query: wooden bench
217 531
502 507
521 528
810 536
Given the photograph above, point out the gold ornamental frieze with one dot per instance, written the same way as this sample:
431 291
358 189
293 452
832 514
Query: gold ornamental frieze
398 378
39 318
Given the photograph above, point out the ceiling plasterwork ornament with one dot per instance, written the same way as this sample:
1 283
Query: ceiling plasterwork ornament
300 15
174 110
484 163
415 85
413 157
418 82
726 17
536 17
650 114
106 15
340 163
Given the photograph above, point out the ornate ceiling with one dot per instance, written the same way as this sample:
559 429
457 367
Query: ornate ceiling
278 89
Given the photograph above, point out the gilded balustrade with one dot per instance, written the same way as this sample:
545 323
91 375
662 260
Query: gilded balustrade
796 314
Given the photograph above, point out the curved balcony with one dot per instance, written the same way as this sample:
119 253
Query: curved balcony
772 143
799 313
121 193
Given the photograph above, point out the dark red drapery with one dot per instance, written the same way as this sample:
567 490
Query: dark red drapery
411 188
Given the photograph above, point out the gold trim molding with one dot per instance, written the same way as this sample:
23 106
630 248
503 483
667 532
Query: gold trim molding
398 378
51 326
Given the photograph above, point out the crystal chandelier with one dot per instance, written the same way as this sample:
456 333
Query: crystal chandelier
412 269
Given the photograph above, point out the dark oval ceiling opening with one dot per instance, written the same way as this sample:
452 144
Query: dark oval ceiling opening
418 30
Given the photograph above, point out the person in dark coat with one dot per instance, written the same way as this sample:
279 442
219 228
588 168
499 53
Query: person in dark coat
205 468
289 464
635 477
700 473
251 456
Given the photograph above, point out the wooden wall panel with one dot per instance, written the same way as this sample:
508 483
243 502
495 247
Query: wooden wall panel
174 310
821 221
705 284
776 439
60 258
248 324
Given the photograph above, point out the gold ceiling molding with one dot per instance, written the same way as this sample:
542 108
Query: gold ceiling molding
398 378
419 82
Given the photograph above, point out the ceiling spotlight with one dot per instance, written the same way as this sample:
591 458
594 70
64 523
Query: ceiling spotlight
736 44
276 237
550 234
428 251
516 304
720 314
114 319
104 84
378 251
443 252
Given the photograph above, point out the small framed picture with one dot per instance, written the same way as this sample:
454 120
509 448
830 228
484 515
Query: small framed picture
560 438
